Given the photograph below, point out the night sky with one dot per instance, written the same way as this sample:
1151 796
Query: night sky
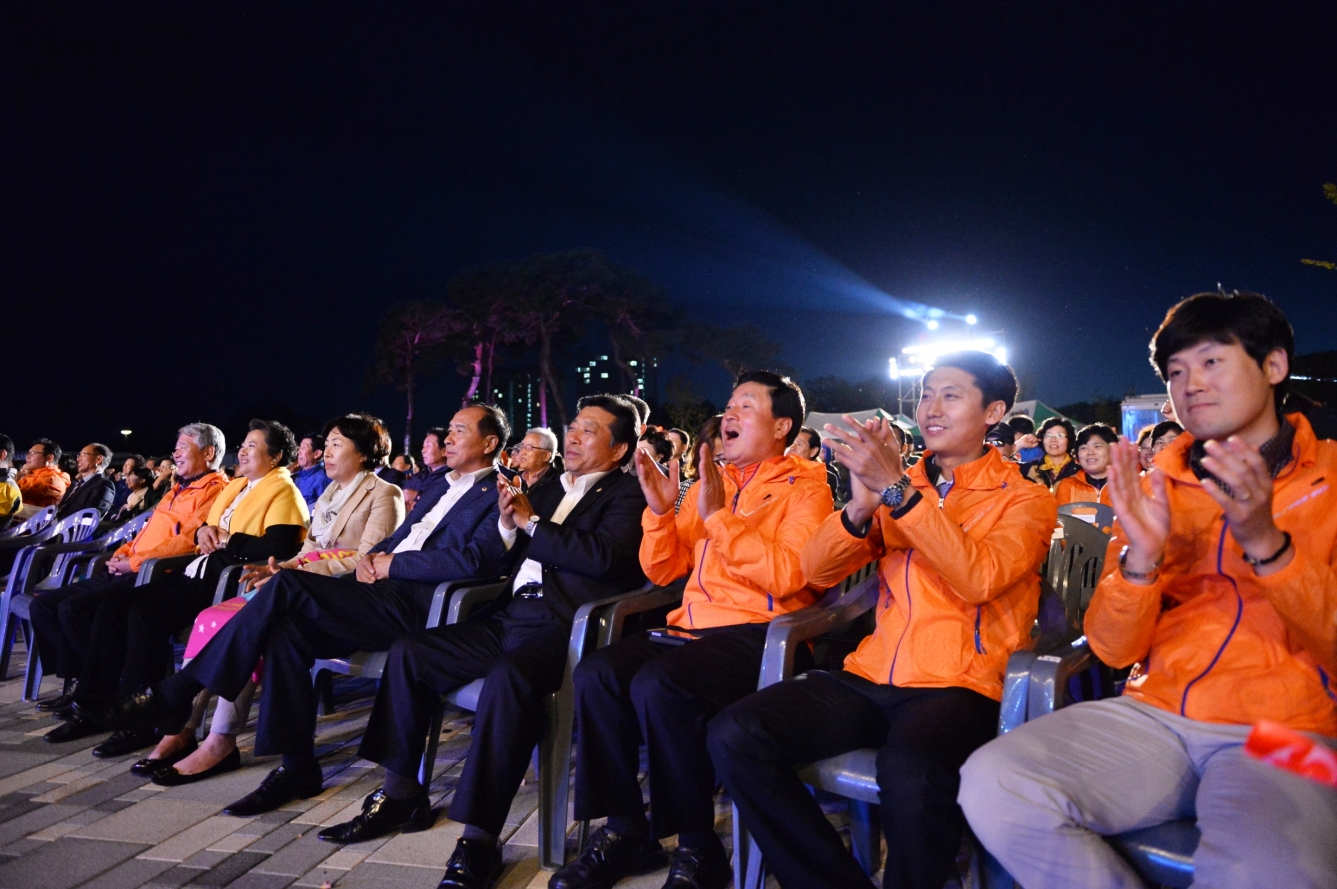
207 209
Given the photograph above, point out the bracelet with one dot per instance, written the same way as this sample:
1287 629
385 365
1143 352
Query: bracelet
1146 577
1285 545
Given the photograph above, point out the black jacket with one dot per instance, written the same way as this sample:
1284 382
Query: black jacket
96 493
595 552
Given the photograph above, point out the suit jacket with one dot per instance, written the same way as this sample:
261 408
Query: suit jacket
465 543
372 513
594 553
96 493
391 475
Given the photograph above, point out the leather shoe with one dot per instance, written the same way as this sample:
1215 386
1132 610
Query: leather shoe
607 858
380 815
168 776
63 702
77 727
699 869
122 742
146 767
280 786
143 711
475 865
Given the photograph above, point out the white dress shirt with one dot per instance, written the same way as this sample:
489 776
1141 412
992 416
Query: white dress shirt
531 571
424 527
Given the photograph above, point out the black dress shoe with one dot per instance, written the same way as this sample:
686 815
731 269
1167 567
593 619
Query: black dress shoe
380 815
64 701
122 742
607 858
475 865
699 869
78 727
143 711
167 776
146 767
280 786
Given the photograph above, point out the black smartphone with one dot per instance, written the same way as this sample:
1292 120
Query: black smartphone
673 635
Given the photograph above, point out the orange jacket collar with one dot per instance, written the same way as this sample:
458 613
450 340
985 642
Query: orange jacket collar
984 473
1173 461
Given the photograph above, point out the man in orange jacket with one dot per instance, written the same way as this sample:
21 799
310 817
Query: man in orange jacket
1219 590
63 618
958 538
738 540
1093 455
42 481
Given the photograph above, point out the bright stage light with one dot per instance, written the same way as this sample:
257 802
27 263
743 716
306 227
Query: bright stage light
932 324
971 319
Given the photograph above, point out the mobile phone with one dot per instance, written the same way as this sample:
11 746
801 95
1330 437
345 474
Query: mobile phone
673 635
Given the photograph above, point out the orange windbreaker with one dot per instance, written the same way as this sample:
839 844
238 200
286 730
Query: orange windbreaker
44 486
172 525
744 559
959 576
1214 641
1078 489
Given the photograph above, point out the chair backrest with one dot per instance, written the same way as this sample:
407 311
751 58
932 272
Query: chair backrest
1098 514
124 532
76 527
33 524
1084 558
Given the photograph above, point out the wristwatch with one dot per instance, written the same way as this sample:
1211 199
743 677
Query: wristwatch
893 495
531 525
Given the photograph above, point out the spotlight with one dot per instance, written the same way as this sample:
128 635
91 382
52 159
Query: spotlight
971 319
932 324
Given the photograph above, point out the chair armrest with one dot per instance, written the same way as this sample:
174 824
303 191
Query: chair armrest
156 569
1016 688
461 598
1050 674
594 614
788 631
229 584
648 598
10 543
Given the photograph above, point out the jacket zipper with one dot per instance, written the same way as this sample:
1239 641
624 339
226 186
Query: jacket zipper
1239 613
909 613
701 566
979 647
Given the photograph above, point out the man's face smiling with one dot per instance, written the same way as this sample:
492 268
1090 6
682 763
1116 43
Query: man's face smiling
1218 390
750 432
951 413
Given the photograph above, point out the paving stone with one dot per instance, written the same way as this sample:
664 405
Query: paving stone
278 838
222 789
232 843
193 839
228 870
428 848
149 822
17 763
33 821
321 876
370 875
30 776
173 878
18 810
23 846
332 811
64 864
129 874
297 857
253 880
113 805
206 859
107 790
345 859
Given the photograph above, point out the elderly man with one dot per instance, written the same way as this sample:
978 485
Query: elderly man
310 477
41 480
299 617
91 489
534 458
63 618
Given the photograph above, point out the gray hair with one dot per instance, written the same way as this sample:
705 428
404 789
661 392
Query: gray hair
206 436
548 437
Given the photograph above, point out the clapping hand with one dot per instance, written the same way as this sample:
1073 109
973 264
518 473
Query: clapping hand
661 491
871 452
514 506
1248 507
1143 518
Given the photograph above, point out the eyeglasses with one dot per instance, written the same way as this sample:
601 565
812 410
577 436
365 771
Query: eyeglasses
526 448
1056 436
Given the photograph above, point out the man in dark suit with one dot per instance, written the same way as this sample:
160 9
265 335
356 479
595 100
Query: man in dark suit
91 488
577 542
299 617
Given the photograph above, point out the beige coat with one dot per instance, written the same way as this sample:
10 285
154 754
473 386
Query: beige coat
372 513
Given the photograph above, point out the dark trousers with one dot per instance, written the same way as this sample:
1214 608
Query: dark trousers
521 653
63 620
641 690
923 736
295 619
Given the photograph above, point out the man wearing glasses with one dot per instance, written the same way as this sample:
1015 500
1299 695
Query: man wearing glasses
534 457
91 489
42 482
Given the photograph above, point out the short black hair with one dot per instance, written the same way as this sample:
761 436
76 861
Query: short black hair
1002 432
786 398
642 407
1065 425
993 378
368 434
438 433
814 437
49 447
7 444
1097 430
1164 427
660 444
138 458
279 440
626 420
143 473
1022 425
317 440
102 451
1250 320
493 422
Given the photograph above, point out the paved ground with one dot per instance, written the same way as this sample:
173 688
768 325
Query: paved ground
69 819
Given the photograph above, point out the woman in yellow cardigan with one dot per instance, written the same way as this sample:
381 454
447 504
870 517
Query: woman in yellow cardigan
258 515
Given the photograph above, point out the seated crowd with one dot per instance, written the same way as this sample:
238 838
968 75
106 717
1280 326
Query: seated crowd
1218 593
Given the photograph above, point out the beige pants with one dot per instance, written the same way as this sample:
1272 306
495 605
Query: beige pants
1040 797
229 716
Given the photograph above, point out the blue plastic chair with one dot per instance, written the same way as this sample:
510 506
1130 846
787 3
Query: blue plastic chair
32 525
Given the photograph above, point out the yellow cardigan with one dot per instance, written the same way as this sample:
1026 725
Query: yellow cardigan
274 500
